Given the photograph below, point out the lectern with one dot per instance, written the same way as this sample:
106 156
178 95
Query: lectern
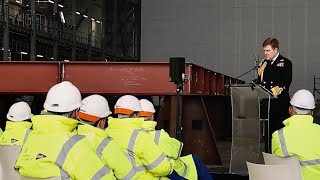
249 114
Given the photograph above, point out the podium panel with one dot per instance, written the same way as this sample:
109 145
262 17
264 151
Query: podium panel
245 128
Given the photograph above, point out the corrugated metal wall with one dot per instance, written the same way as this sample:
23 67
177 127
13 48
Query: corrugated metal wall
226 35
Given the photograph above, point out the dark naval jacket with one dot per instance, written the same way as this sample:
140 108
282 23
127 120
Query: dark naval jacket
277 74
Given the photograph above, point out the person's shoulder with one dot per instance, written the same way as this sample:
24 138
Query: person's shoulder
284 59
284 62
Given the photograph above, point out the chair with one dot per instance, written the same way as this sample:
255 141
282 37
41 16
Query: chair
292 162
52 178
267 172
8 158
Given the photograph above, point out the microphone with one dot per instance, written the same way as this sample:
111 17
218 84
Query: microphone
261 62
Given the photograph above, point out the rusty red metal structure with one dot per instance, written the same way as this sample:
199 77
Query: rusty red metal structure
109 78
205 99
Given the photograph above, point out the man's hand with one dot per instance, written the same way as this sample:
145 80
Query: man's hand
276 90
262 65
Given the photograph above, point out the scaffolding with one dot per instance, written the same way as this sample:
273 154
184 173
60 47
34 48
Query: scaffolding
78 30
316 88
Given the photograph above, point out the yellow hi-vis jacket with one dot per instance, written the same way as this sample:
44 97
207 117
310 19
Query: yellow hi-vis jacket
52 150
299 138
144 154
14 133
1 131
172 147
109 152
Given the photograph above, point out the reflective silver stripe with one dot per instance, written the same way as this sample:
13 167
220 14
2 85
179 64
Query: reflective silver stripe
185 169
180 149
286 154
140 168
156 162
310 162
64 175
132 141
104 143
129 175
64 153
283 143
157 137
26 136
102 172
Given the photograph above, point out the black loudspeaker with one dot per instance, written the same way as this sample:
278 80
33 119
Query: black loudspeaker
177 65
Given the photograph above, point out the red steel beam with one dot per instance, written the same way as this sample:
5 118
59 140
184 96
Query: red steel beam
140 78
28 77
121 78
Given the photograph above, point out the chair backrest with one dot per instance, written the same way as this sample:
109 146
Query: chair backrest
292 162
52 178
8 158
267 172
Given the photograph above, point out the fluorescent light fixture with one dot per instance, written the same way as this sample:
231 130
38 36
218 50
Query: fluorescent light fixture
39 56
62 17
25 53
49 1
98 21
92 19
17 1
60 5
77 12
85 16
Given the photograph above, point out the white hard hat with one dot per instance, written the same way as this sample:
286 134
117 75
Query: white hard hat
19 111
127 104
303 99
147 108
63 97
94 107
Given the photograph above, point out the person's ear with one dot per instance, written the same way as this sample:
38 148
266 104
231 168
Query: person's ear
102 123
291 111
74 114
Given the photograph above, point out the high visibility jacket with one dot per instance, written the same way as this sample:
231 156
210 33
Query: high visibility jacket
52 150
1 131
146 157
14 133
172 147
109 152
299 138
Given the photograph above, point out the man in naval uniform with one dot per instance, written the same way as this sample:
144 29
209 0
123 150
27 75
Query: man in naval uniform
275 74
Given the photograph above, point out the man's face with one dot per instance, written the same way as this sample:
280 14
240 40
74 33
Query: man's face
270 53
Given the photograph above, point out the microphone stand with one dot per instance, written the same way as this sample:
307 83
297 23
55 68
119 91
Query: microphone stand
253 82
178 115
254 68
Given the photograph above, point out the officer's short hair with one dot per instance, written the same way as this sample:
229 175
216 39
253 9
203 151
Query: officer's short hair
299 110
273 42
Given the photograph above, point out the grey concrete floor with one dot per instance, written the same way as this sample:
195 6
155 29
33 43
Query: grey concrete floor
224 149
